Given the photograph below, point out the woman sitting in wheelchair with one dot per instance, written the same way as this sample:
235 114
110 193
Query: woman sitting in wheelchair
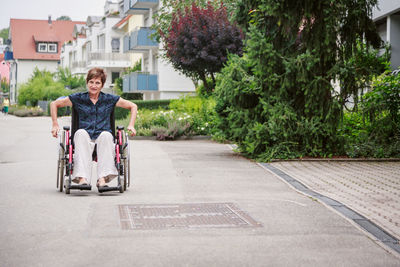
94 109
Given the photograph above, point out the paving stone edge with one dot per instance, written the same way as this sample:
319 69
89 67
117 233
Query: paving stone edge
195 137
386 240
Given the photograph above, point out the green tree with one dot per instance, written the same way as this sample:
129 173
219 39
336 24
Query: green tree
163 17
4 33
198 41
64 76
41 86
278 100
64 18
4 85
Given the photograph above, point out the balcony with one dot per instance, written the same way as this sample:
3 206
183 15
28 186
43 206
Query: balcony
8 55
125 46
139 81
78 67
138 7
107 60
139 40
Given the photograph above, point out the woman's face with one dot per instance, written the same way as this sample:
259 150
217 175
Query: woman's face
94 86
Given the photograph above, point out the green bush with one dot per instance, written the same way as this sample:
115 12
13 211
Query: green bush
132 96
65 76
41 86
23 111
202 91
374 129
153 104
121 113
185 117
172 131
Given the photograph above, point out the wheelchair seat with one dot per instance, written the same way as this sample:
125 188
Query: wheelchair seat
75 127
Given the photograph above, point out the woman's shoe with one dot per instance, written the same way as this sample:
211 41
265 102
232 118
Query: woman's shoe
83 181
101 186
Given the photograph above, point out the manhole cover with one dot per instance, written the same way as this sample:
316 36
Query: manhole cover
178 216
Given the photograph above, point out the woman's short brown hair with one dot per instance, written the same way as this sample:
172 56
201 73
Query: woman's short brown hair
96 73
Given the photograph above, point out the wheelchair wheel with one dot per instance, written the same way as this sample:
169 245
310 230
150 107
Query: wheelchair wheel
122 188
60 175
127 170
128 167
67 189
126 174
61 162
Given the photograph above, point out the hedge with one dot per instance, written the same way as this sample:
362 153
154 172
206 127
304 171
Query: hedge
132 96
23 111
121 113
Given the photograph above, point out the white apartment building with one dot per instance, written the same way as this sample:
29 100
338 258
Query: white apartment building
387 18
157 80
97 44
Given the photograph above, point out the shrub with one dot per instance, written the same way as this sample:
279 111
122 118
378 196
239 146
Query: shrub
153 104
41 86
202 91
65 76
132 96
23 111
174 130
121 113
186 117
374 130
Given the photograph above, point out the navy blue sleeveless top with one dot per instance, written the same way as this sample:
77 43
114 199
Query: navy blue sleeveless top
94 118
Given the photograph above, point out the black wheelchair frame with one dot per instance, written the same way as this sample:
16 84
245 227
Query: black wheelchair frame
65 163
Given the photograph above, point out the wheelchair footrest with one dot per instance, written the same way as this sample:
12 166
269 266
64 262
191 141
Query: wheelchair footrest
81 187
109 188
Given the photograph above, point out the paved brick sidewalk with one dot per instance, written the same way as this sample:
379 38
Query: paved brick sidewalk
370 188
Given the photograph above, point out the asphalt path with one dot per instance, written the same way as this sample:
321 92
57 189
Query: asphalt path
43 227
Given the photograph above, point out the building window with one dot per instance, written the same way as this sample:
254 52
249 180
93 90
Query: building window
52 48
101 42
42 47
115 45
47 47
114 76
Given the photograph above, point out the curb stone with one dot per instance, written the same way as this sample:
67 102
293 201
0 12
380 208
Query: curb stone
196 137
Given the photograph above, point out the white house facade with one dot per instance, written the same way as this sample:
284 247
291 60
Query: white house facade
97 44
387 18
157 80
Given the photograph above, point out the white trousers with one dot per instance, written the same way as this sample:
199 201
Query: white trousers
83 155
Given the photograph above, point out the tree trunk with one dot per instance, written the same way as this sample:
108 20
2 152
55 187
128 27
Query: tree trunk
213 79
204 79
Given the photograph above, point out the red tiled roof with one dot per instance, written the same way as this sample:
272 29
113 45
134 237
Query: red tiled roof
40 37
121 22
24 33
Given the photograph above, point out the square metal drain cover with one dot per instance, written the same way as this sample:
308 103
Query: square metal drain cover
178 216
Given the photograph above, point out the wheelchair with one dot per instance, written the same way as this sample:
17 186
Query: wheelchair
65 164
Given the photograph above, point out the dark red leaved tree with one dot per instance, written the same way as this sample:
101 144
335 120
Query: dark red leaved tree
199 41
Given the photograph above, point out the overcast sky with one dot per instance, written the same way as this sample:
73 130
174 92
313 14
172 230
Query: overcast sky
41 9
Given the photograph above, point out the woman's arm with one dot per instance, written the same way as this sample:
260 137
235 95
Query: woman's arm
59 103
122 103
